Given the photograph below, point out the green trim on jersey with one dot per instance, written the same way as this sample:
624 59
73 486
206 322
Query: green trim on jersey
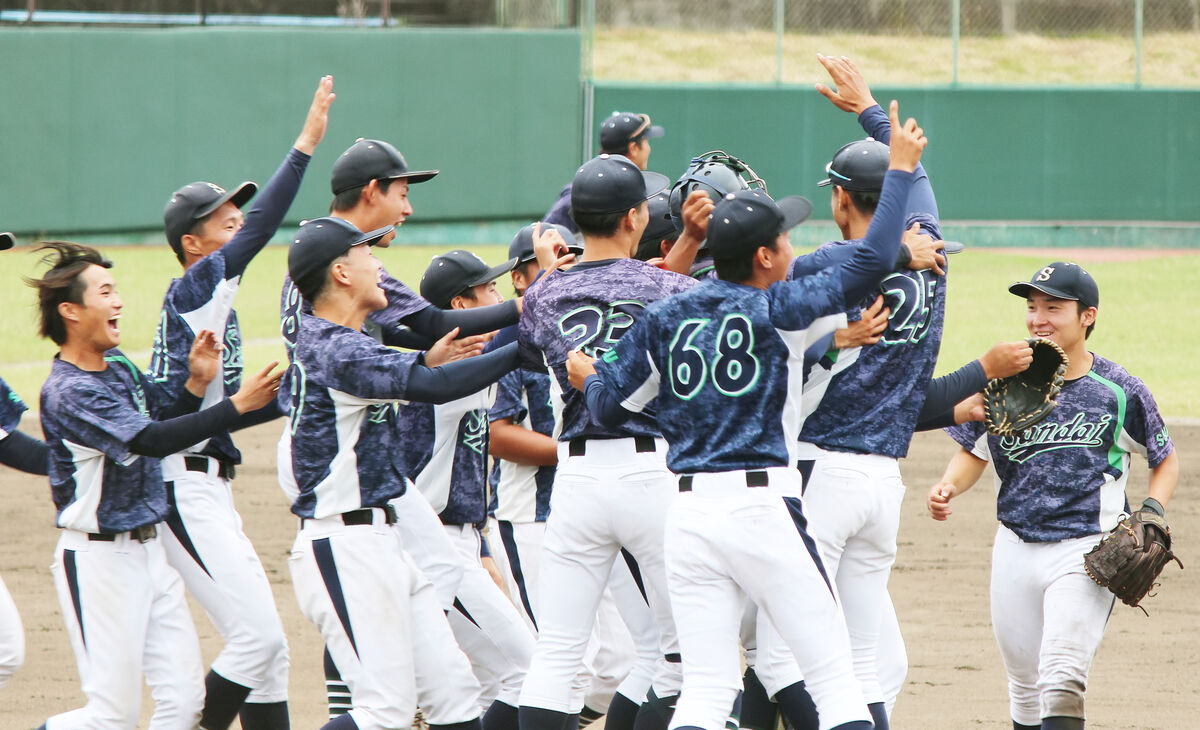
1115 454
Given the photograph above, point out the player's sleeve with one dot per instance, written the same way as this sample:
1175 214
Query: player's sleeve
11 408
24 453
628 371
529 352
435 323
560 212
262 221
1144 431
96 418
798 304
944 393
972 437
509 403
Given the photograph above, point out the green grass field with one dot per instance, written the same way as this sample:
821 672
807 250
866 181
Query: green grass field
1146 316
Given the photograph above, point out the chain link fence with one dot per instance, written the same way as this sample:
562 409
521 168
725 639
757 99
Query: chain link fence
1090 42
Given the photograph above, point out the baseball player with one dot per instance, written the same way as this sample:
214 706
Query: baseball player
622 133
122 603
214 243
352 577
19 451
446 449
872 396
617 675
611 488
725 362
1060 487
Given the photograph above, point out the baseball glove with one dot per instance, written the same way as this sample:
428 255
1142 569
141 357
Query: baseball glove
1129 559
1013 404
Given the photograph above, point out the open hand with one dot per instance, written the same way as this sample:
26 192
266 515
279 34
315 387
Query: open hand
258 389
852 94
318 117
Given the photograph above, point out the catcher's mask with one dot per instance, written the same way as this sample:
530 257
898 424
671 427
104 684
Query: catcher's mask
717 173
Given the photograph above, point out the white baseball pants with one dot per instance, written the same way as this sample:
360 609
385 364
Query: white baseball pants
220 568
126 614
12 637
728 542
1049 618
609 497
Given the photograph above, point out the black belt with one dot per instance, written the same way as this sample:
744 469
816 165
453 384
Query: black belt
225 469
364 516
141 534
641 444
756 478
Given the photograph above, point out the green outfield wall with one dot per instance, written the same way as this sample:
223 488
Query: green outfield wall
98 126
995 154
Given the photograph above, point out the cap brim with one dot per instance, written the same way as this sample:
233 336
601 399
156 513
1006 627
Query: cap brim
796 209
495 272
417 176
655 183
825 183
239 196
654 132
953 246
1022 288
7 241
372 237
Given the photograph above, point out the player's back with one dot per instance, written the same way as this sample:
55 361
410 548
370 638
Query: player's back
589 308
729 362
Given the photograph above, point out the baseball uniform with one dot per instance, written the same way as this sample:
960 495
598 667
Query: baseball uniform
1060 485
12 636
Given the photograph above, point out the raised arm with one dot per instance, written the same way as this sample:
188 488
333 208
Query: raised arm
272 203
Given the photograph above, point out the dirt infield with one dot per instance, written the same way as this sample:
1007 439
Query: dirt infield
1147 675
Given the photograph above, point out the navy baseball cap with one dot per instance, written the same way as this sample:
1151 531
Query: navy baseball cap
7 241
745 220
611 184
521 247
372 159
859 166
621 128
1061 280
454 272
196 200
660 228
322 241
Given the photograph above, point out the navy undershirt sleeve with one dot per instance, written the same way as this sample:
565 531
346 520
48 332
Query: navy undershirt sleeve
401 336
942 394
435 323
460 378
875 122
184 404
603 404
22 451
874 259
270 206
269 412
163 438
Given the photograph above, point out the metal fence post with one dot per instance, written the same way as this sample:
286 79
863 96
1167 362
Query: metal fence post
1139 12
779 41
955 28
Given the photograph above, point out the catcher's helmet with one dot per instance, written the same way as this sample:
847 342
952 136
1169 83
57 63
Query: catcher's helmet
859 166
717 173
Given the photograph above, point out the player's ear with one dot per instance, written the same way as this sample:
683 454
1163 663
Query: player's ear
69 311
1087 317
190 244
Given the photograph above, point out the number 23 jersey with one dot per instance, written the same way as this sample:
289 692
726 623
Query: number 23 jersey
589 307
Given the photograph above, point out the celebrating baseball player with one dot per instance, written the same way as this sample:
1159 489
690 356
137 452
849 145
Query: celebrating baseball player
612 487
214 243
1060 487
728 355
350 572
19 451
122 602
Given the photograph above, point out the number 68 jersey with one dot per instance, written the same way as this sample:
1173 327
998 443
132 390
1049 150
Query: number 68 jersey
726 363
589 307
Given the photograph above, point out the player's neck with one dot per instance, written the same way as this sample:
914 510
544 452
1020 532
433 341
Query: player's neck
856 227
1081 361
341 310
82 355
596 248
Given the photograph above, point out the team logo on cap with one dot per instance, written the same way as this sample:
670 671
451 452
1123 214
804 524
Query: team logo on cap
216 188
1045 274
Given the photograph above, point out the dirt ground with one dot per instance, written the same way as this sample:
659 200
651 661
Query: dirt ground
1147 674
